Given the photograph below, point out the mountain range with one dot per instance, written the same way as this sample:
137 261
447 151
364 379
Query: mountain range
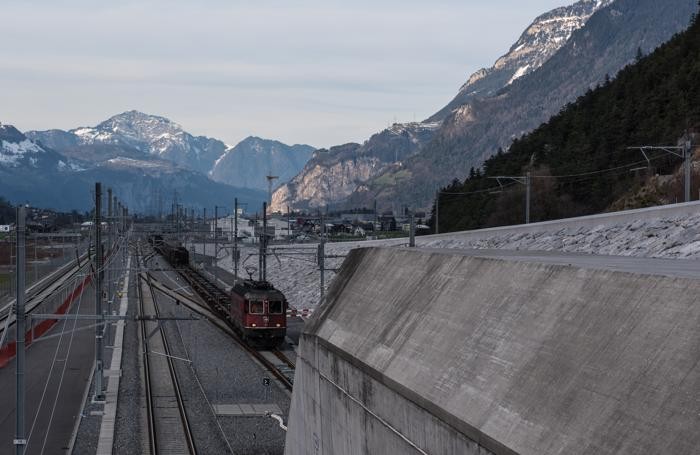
147 159
34 173
560 56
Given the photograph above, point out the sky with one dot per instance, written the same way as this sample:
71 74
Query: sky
320 72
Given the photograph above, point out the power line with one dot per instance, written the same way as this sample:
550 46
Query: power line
602 171
487 190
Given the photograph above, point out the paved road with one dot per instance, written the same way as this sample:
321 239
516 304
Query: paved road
677 268
61 364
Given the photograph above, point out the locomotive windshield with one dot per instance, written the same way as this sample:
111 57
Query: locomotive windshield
275 307
256 307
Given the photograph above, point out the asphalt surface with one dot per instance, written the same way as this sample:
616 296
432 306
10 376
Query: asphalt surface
676 268
58 372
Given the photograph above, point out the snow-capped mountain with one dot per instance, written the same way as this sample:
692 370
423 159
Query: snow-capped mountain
133 136
31 171
17 151
538 43
136 135
251 160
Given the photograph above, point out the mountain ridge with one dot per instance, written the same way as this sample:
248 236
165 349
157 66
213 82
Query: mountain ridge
253 158
31 172
540 40
134 135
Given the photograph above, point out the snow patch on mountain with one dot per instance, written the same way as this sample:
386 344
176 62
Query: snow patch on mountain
522 71
13 152
540 41
153 136
131 162
70 166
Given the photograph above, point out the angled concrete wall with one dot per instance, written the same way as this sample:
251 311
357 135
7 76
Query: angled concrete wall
419 352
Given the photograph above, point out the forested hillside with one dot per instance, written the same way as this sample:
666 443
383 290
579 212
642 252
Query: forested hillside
580 160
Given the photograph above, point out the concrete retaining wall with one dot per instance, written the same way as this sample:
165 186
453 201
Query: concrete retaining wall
418 352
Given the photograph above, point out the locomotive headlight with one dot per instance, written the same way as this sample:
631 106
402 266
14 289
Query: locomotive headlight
253 325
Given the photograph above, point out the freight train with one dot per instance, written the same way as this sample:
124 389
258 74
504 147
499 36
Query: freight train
176 254
256 310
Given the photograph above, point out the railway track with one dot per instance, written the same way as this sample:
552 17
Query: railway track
217 300
169 429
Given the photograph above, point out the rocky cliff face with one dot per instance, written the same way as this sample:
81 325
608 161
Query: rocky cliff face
332 175
319 183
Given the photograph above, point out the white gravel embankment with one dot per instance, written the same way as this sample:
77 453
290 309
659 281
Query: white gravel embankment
673 237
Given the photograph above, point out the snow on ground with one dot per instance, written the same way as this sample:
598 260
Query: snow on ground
294 271
677 237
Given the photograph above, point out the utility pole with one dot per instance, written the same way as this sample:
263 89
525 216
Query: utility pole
523 180
528 185
216 244
684 151
235 239
412 231
376 215
110 246
270 178
20 440
263 243
687 151
437 211
322 259
99 327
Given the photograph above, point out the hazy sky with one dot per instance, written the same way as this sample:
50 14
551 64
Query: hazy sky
321 72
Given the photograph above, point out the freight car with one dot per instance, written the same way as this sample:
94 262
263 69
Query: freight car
176 254
155 240
258 312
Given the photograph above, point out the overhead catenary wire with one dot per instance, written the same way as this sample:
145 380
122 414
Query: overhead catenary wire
562 176
600 171
486 190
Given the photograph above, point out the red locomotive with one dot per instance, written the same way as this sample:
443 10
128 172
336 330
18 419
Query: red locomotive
259 312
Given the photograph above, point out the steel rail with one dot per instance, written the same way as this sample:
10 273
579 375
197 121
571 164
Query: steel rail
162 431
215 299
